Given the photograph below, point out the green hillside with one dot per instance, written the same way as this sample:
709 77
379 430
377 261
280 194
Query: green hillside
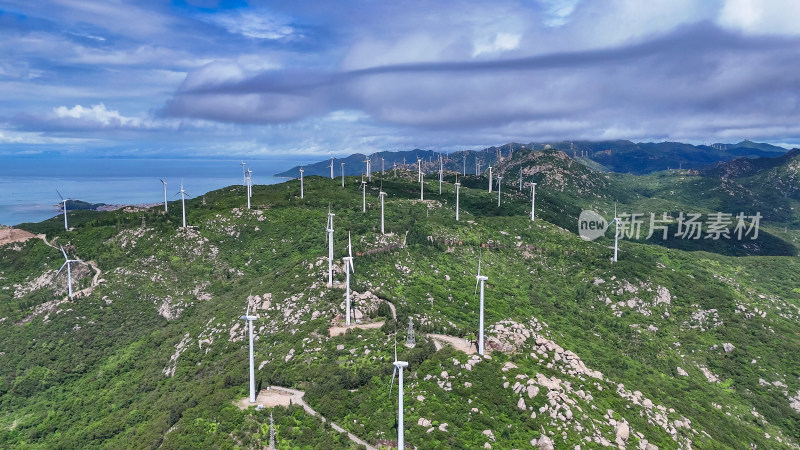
674 348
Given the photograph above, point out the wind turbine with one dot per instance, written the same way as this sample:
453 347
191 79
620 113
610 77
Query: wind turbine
250 320
520 179
244 177
369 168
363 194
342 174
480 279
302 194
533 202
464 171
249 190
419 168
64 200
382 195
499 185
477 167
398 366
348 269
458 188
164 182
490 178
183 202
69 271
394 166
249 183
616 232
331 167
329 230
421 186
383 164
441 167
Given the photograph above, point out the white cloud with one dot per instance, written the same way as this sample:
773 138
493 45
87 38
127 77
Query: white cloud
502 42
36 138
97 114
258 25
761 16
558 11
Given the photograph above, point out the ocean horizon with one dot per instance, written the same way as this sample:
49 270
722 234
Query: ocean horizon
28 185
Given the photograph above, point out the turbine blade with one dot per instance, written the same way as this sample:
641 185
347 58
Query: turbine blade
59 194
64 253
395 346
62 268
349 245
476 286
394 372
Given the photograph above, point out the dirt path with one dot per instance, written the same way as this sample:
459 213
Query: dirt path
281 396
336 331
53 305
456 342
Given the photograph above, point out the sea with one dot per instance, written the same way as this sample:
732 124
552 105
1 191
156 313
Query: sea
29 185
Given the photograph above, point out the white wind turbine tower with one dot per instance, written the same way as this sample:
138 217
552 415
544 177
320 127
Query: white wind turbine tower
616 232
520 179
363 194
302 194
331 167
164 182
368 169
248 187
348 269
250 320
342 174
394 166
382 195
499 185
533 202
480 279
477 167
419 168
421 186
383 164
441 171
244 177
249 183
183 194
458 188
490 178
69 271
64 201
329 230
398 366
464 170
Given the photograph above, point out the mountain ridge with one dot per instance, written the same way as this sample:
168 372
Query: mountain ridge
619 156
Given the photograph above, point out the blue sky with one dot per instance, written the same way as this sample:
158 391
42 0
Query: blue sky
209 78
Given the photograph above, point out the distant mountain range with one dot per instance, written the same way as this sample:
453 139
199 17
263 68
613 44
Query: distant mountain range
615 156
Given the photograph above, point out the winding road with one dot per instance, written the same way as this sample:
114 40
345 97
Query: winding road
282 396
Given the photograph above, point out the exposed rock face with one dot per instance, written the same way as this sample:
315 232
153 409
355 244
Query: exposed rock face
709 376
173 360
622 432
543 443
728 347
682 372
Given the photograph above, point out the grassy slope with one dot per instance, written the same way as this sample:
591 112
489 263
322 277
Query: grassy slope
92 374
